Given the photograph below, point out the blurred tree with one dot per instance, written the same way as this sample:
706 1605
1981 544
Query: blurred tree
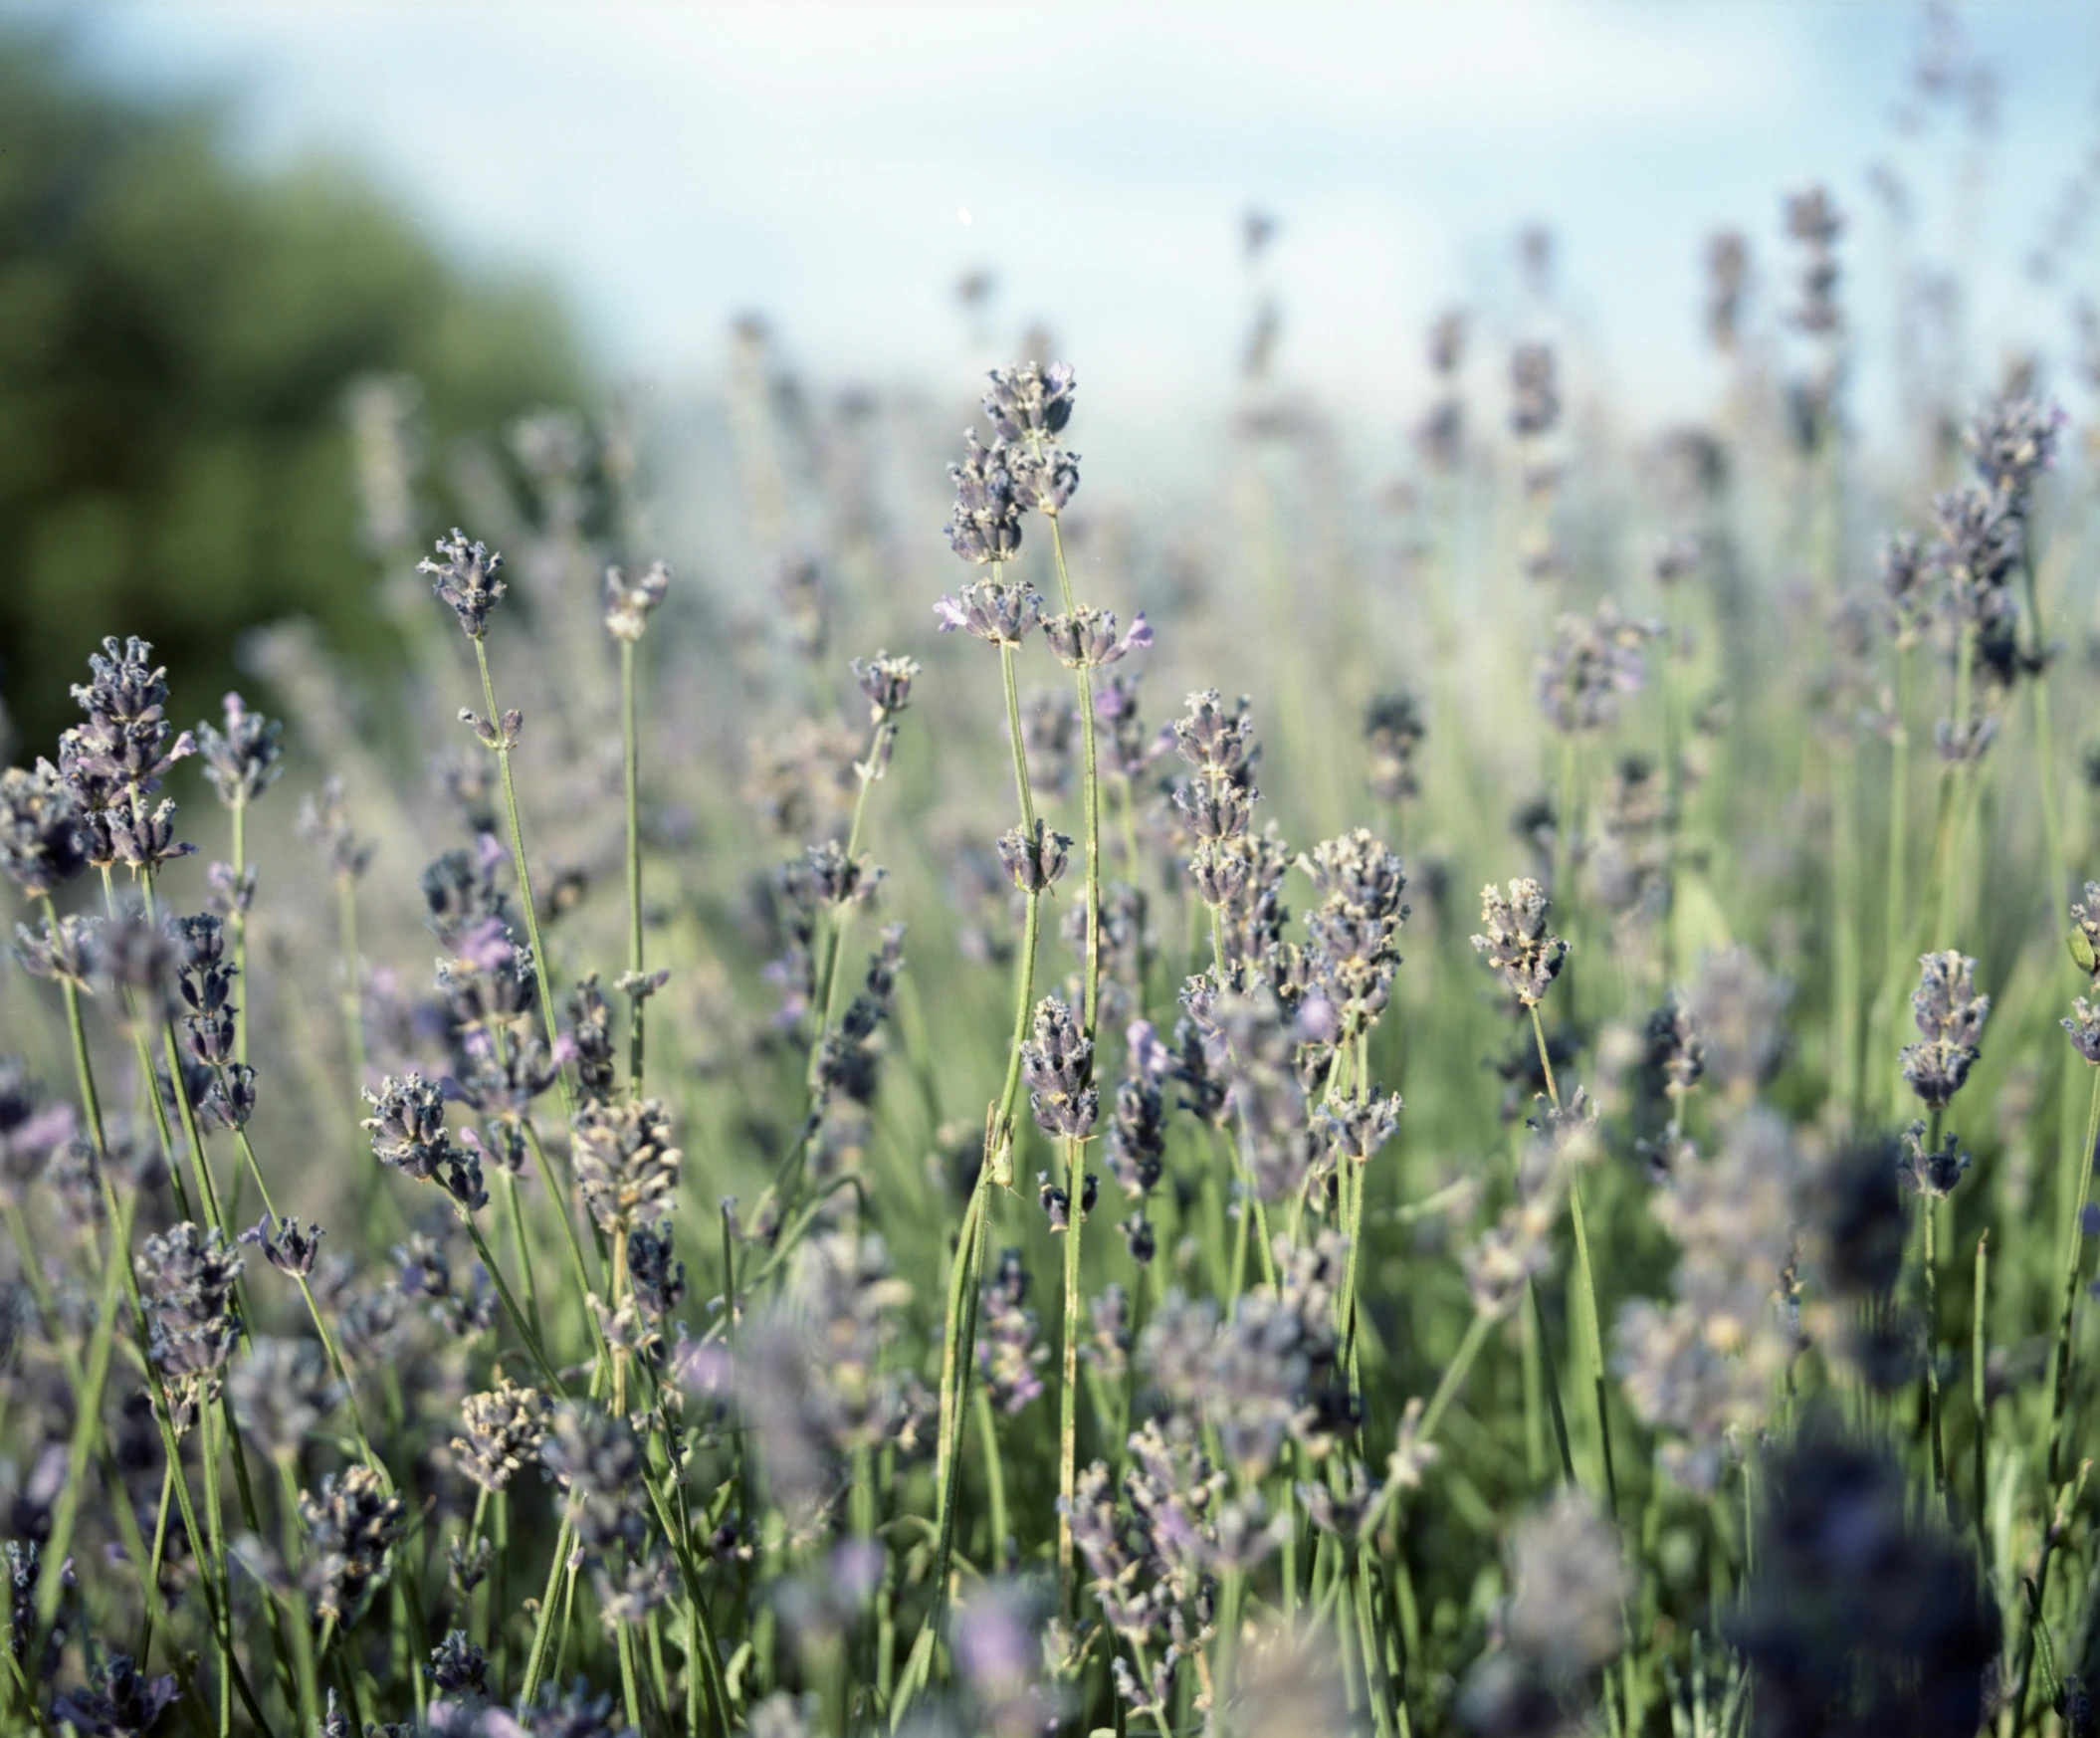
176 337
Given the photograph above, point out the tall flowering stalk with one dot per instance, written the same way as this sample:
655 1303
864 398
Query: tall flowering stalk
985 530
48 835
468 578
1521 947
242 761
1950 1018
627 611
2083 1027
1030 405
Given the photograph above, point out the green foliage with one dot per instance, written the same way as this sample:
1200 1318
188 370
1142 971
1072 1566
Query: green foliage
175 337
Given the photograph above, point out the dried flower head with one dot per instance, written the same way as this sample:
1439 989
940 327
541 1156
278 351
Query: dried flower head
1589 666
350 1531
625 1163
61 951
1086 638
466 580
123 745
1727 279
408 1135
1676 1052
655 1275
590 1030
245 759
1045 480
1029 402
886 681
1704 1367
1008 1356
186 1278
2084 1028
116 1701
280 1391
997 611
1057 1063
1350 955
43 842
597 1461
985 524
501 1431
324 822
629 608
1950 1015
1216 743
1394 730
1738 1008
31 1131
1518 943
1033 863
458 1666
1927 1170
1136 1146
1267 1374
1569 1586
2011 442
1358 1129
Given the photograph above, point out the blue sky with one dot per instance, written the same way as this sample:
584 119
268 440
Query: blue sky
840 168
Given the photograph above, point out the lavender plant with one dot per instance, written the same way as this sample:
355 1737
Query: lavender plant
1413 1396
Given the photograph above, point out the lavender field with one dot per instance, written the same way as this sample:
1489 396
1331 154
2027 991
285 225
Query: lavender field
791 1071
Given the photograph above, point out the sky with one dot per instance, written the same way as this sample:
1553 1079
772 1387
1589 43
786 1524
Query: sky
841 168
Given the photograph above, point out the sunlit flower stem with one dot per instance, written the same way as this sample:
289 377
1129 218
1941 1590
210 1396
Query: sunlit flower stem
544 973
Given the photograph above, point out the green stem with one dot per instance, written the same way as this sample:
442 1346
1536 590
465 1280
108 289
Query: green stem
240 923
1091 793
87 1418
1845 966
958 1363
1932 1342
630 757
544 975
524 1255
155 1612
1895 926
994 1476
336 1366
1545 1061
1551 1381
555 1193
1022 788
624 1638
1980 1399
1958 778
510 1303
2060 1372
1068 1396
1454 1374
619 1287
543 1623
215 1545
83 1073
302 1634
1376 1690
1594 1342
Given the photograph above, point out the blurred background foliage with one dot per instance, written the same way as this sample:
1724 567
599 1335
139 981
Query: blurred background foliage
176 338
